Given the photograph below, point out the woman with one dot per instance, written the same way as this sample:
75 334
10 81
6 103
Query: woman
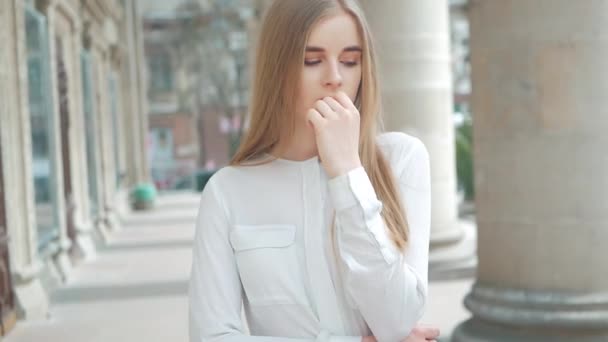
319 228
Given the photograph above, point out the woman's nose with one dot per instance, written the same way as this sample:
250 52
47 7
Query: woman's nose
333 77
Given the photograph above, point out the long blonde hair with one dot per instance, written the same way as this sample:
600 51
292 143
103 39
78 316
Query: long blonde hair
279 59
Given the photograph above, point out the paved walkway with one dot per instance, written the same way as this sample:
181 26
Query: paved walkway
136 290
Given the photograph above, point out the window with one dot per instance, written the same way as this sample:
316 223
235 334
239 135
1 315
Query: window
44 154
161 73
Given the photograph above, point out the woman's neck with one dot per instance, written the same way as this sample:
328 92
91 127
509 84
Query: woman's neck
302 146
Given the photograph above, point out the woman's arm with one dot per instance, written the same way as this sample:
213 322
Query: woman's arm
215 288
389 288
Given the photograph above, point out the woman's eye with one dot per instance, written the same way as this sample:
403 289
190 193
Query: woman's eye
314 62
350 64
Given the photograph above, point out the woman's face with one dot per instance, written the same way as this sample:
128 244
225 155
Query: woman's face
332 62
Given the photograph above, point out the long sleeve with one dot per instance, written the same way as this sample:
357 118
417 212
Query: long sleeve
215 291
388 288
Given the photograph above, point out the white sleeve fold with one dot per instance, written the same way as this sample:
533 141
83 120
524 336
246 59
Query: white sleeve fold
388 288
215 290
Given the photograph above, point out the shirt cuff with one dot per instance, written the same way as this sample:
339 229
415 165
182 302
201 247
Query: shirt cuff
351 189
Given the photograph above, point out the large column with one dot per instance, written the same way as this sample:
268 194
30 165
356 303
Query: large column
541 117
105 139
16 153
413 43
134 104
116 197
142 86
59 248
69 31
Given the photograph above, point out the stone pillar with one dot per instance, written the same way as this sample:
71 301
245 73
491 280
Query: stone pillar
26 264
134 66
105 138
413 47
541 116
59 248
92 40
69 30
143 172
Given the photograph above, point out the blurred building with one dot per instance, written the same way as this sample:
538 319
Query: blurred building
72 139
461 59
173 123
198 88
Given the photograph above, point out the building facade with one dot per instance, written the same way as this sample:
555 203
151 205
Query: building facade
72 139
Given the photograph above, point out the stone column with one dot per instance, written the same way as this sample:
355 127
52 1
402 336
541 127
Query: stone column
59 248
541 117
106 147
26 264
143 172
413 47
133 67
93 42
69 30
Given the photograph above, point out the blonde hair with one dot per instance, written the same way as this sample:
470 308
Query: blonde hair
279 59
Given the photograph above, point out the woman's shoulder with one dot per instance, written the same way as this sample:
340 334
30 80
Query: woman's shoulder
230 174
401 148
239 175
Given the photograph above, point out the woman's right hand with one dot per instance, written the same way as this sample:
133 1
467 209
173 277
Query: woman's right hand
420 333
423 333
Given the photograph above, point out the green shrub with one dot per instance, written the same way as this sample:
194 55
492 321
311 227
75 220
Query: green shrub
143 196
464 159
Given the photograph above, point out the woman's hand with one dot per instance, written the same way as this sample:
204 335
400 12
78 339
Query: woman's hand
423 333
420 333
336 123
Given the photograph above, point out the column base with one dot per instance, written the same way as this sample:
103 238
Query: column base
64 264
506 314
454 255
446 237
102 230
475 330
122 205
32 301
112 220
31 298
84 249
50 275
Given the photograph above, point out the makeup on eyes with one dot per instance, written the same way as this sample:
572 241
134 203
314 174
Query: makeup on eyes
317 61
349 60
350 51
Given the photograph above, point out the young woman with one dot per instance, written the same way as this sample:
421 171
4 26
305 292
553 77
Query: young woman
319 228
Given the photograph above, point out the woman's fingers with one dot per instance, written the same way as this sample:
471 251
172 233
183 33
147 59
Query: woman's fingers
428 332
325 109
346 102
315 118
334 104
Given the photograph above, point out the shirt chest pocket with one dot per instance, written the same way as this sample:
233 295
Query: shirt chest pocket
267 261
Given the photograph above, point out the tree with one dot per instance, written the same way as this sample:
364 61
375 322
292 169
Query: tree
213 50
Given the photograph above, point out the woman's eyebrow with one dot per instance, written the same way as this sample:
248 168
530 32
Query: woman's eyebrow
354 48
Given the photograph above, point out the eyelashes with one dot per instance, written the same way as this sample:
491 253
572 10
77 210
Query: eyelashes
316 62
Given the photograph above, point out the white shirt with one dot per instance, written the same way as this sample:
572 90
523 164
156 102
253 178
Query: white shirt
263 244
